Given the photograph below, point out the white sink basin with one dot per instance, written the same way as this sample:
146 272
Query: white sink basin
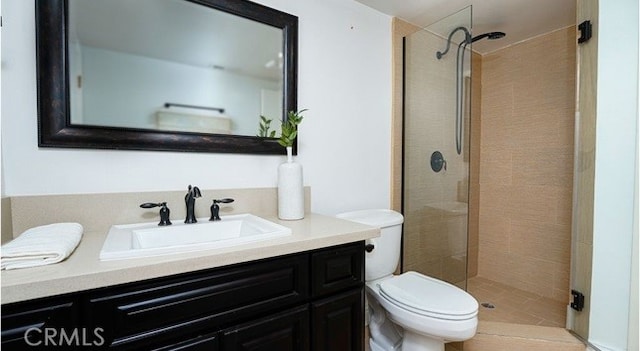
148 239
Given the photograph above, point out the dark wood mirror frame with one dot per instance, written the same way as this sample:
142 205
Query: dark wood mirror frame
54 122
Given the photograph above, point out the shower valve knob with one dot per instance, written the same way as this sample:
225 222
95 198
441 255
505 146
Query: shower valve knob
438 162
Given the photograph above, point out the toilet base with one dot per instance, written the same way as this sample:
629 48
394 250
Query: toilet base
387 336
374 346
411 342
417 342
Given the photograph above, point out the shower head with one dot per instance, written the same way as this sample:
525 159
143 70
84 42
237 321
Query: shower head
490 36
468 39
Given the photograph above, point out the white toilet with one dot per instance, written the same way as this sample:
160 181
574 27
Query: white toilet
409 311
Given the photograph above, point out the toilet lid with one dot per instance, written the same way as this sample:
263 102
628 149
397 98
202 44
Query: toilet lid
429 296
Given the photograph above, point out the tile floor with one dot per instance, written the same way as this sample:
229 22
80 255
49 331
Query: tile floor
513 305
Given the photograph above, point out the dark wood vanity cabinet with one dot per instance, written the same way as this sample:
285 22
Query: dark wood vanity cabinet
26 324
305 301
145 314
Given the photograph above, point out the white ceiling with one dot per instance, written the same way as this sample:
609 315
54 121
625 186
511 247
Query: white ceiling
519 19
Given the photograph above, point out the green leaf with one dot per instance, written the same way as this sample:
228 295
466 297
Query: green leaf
289 128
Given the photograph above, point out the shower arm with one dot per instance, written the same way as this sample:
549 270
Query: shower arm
467 39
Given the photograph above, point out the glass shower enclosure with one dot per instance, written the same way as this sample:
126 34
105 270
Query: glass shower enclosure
437 82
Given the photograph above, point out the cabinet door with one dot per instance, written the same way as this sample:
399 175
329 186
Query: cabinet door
284 331
337 269
337 322
39 324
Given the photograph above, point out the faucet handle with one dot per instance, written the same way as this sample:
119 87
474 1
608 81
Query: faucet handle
223 201
215 209
164 211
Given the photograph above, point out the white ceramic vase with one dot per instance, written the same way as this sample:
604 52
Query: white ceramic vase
290 189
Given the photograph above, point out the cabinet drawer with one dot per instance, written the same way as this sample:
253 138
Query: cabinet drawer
287 330
201 343
34 318
159 310
337 269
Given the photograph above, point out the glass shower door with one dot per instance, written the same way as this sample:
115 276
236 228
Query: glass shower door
436 148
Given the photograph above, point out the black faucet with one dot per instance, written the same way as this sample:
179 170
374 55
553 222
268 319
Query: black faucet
164 212
190 200
215 208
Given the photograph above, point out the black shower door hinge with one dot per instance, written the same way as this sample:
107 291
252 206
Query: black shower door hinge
578 300
586 31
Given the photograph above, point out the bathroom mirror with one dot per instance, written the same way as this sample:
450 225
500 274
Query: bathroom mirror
167 75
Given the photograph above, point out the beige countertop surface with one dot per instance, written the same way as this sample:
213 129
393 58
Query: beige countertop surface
83 270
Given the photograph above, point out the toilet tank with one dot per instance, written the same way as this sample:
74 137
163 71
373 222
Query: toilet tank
384 258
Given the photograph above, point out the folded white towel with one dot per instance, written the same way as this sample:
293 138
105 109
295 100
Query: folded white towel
39 246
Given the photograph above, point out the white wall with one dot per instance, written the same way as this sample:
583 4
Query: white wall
616 157
1 163
344 80
633 341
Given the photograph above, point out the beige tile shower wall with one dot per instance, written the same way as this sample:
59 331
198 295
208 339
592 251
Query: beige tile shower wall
528 99
474 165
435 240
400 30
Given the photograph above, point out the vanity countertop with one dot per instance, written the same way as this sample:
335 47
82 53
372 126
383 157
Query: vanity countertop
83 270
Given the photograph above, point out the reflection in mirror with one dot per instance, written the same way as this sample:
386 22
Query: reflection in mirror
172 65
163 74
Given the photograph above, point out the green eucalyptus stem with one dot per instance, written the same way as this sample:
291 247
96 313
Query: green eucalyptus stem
290 128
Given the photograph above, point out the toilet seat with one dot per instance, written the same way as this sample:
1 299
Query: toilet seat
429 297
